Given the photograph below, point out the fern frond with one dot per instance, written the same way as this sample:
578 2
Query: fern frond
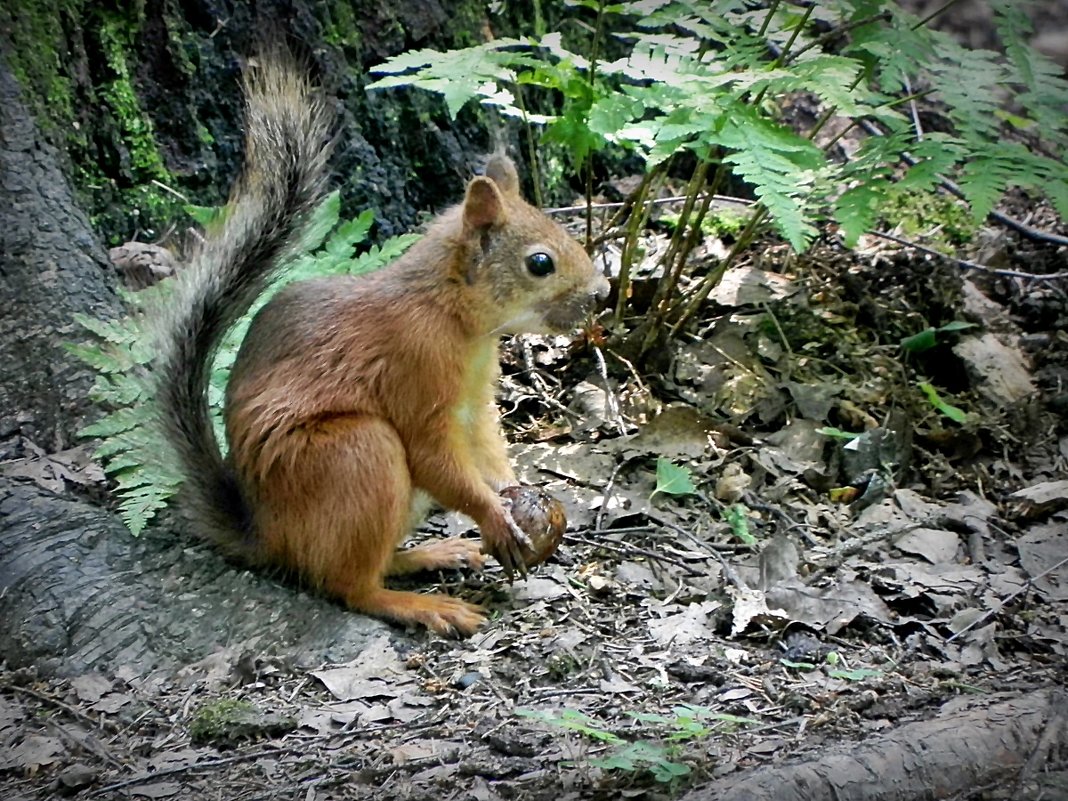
1043 94
857 208
118 421
458 75
967 82
379 256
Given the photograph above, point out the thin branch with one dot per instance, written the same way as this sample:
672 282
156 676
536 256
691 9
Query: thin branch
971 265
1027 587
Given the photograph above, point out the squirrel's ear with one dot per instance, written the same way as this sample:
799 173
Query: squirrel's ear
483 205
502 170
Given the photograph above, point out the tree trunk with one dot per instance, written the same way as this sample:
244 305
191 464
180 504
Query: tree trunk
985 744
79 593
52 266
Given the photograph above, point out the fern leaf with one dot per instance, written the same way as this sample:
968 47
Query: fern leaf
379 256
349 234
781 167
857 208
457 75
116 422
118 331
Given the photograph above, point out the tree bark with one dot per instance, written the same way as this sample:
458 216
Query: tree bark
79 593
52 266
940 758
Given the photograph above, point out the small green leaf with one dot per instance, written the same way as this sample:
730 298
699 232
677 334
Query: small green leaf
206 216
672 479
918 343
738 519
797 665
836 433
928 338
954 413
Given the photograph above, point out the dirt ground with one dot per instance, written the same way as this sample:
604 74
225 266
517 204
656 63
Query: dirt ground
745 583
741 585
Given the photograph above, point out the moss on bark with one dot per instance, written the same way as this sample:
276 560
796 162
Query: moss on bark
143 98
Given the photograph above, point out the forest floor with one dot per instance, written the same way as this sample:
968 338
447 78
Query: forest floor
795 534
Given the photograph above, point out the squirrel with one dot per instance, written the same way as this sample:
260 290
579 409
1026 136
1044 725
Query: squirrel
355 402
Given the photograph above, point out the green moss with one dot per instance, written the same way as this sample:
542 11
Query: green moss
36 31
117 40
231 721
938 220
213 719
340 28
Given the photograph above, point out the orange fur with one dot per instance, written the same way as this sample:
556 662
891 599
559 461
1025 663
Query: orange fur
351 398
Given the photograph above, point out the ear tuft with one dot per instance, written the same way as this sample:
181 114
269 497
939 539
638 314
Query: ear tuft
483 204
502 170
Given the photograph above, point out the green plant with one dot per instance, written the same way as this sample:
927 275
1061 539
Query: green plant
703 87
672 479
133 450
954 413
661 759
737 518
928 337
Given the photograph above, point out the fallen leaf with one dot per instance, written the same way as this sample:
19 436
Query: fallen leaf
688 625
934 545
33 752
1041 549
1041 499
90 687
157 790
377 671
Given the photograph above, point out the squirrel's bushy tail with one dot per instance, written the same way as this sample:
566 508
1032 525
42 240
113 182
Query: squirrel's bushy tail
287 145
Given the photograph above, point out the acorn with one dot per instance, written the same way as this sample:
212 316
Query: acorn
540 516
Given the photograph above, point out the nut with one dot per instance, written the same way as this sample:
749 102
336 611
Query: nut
540 516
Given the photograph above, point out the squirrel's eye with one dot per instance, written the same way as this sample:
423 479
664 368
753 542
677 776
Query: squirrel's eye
540 264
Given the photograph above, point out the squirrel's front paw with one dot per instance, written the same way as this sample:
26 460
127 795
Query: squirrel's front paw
503 539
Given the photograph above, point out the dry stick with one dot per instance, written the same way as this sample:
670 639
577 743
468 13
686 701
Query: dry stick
693 187
77 714
937 12
971 265
1028 585
598 521
630 550
819 41
196 766
729 200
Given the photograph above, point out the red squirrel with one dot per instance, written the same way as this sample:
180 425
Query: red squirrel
356 401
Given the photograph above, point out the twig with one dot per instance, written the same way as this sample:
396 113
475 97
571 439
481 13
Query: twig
598 522
630 550
195 766
989 613
729 200
70 710
971 265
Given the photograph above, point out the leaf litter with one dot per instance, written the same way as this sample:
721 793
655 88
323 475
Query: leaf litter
779 531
